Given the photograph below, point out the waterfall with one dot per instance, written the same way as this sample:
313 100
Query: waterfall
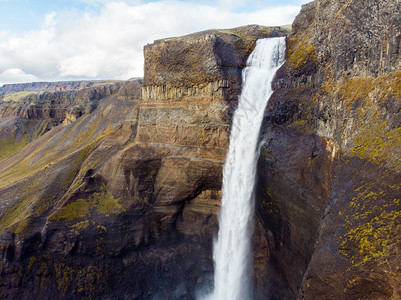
232 250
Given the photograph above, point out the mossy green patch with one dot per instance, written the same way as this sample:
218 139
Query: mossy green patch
64 276
374 139
41 130
363 88
379 144
356 88
269 205
300 52
371 226
16 97
32 262
35 203
73 211
18 215
90 137
107 204
85 281
301 126
9 146
102 203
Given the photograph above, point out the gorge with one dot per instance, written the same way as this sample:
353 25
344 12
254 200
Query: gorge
110 190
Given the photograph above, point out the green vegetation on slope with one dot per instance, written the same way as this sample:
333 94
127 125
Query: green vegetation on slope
101 202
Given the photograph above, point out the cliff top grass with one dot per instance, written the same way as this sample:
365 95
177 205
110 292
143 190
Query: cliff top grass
248 31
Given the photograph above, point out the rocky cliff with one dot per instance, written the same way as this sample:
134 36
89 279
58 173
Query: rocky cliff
122 201
329 173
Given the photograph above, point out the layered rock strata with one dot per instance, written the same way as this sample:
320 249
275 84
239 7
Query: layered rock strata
122 202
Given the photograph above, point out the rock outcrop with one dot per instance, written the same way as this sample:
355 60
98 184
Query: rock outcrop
329 186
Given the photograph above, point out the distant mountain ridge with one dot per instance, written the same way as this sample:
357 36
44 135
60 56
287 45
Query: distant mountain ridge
50 86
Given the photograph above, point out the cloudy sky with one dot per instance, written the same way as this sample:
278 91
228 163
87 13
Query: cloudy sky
103 39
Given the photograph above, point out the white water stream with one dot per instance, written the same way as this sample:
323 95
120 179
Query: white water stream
232 250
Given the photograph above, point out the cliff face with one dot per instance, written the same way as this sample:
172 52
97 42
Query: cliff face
329 185
122 202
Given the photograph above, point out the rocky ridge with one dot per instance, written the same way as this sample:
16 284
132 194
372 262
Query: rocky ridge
26 115
34 87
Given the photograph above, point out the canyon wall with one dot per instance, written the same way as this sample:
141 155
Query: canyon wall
120 199
329 173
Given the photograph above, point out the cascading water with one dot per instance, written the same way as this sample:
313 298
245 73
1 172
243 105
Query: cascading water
232 250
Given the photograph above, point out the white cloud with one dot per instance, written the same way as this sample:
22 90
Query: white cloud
3 34
49 19
16 76
109 43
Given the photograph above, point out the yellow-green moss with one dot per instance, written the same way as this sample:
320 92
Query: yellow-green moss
356 88
18 214
81 225
16 97
41 130
9 146
379 144
73 211
88 280
300 52
380 88
102 202
38 158
106 203
270 206
371 230
64 276
43 268
301 126
84 281
77 166
374 139
32 262
24 168
33 205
